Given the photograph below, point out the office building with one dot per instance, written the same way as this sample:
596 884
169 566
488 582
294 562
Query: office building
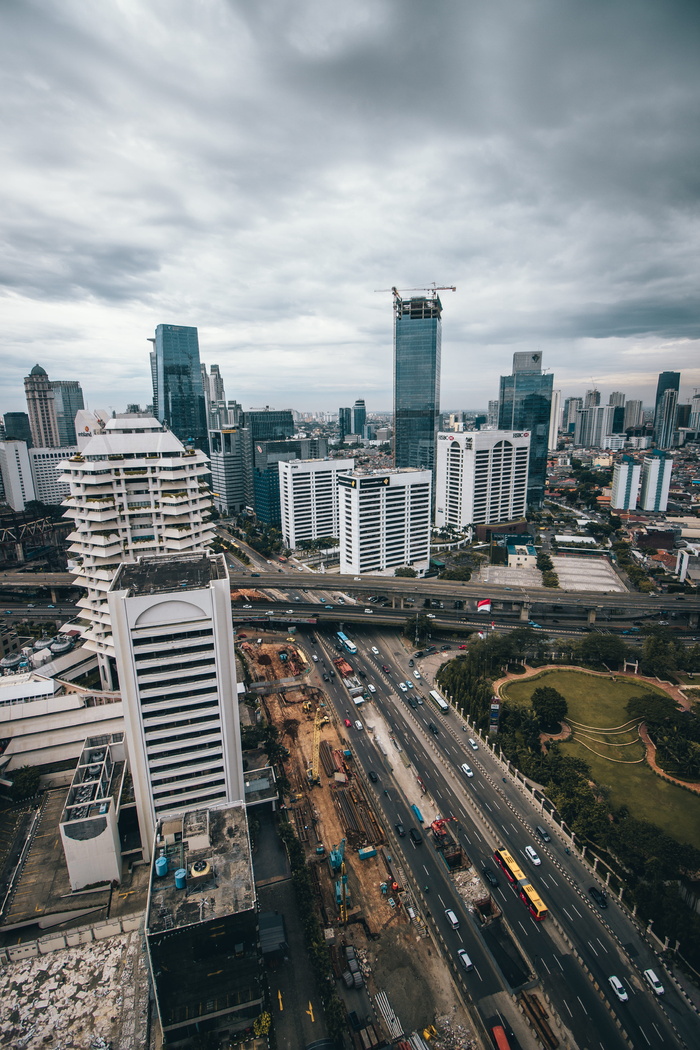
344 422
656 481
359 417
492 414
216 385
263 485
665 419
134 490
384 521
625 484
417 352
616 399
89 422
68 400
16 471
41 409
173 642
17 427
554 421
572 406
618 420
593 425
227 463
46 467
268 424
634 415
309 498
693 422
526 405
592 399
682 417
481 478
666 381
203 929
178 391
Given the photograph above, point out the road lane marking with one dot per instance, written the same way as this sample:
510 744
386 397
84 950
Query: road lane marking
568 1008
603 946
592 948
556 959
567 914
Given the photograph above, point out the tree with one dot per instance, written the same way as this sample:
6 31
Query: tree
418 628
549 706
406 570
460 573
25 783
602 649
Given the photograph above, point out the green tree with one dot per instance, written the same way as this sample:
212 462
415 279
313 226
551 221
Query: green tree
25 783
549 706
602 649
418 628
458 573
405 570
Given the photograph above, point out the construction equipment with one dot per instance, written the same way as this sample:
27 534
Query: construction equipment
336 857
314 770
434 289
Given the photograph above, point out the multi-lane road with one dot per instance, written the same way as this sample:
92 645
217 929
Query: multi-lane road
490 812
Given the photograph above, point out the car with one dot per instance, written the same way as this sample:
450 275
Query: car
327 606
31 606
348 723
412 703
386 669
50 606
461 647
473 744
340 601
371 687
531 623
433 728
361 674
409 684
373 776
374 650
489 876
444 648
452 918
431 616
464 959
598 896
297 598
467 770
531 853
247 606
314 658
331 672
358 724
400 830
417 656
255 574
290 610
618 988
357 578
431 649
325 677
369 610
416 837
654 982
663 623
419 698
416 674
411 663
402 687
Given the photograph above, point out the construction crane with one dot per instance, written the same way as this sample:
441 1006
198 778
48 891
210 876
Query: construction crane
434 289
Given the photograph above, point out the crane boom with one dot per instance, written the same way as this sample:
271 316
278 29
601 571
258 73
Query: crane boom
434 288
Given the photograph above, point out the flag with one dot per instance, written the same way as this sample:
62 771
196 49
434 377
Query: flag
484 606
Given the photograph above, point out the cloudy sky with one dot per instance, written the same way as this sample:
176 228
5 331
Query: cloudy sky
258 169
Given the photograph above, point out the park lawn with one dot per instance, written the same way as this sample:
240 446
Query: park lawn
593 700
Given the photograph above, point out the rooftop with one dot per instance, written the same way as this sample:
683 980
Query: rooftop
168 573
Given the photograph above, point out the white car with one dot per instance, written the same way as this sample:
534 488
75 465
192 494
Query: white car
247 606
402 687
473 744
369 610
358 724
375 650
618 988
465 960
371 688
314 658
530 852
416 674
467 770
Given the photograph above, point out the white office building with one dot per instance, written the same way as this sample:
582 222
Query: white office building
656 481
16 474
46 464
555 418
481 477
134 490
309 498
173 639
384 521
625 484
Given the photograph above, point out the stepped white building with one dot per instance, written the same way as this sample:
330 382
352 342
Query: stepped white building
134 490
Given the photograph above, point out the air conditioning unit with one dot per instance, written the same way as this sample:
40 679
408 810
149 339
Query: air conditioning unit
200 869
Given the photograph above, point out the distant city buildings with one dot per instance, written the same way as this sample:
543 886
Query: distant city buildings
309 498
554 421
178 391
634 415
68 400
593 425
481 477
384 521
417 356
526 405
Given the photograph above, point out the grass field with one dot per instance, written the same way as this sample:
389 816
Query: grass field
600 702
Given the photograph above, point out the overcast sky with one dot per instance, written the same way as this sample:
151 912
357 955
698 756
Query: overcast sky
258 168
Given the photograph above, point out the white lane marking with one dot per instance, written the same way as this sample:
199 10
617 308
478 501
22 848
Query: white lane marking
426 870
603 946
582 1006
556 959
522 927
476 971
577 911
554 880
657 1030
568 1008
567 915
487 806
544 882
441 901
545 966
592 948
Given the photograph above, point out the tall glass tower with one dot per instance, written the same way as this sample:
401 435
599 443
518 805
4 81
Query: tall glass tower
178 393
417 348
665 407
526 405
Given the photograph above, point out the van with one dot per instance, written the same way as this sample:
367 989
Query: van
542 832
473 744
653 982
533 856
465 960
416 836
467 770
452 918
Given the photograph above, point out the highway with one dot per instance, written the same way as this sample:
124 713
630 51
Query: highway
492 813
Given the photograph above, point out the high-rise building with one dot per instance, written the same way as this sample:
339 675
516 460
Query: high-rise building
344 422
269 424
634 415
384 521
656 481
417 354
554 421
693 422
17 427
625 484
227 462
134 490
173 642
593 425
665 419
216 385
572 406
682 416
592 398
46 467
41 408
309 498
617 399
68 400
359 417
481 477
526 405
264 490
16 474
666 381
492 415
178 391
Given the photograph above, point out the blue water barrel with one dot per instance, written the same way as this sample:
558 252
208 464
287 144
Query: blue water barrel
161 867
180 878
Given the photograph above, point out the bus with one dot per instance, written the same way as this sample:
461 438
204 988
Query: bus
439 702
522 885
347 645
500 1039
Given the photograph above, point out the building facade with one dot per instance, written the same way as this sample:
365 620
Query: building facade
16 471
665 419
616 399
656 481
263 483
227 462
625 484
593 425
554 421
481 477
666 381
134 490
417 359
178 391
46 467
384 521
634 415
17 427
41 409
68 401
309 498
359 417
526 405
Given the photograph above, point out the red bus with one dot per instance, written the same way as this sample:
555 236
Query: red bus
500 1039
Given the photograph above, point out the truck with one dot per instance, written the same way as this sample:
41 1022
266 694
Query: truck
446 843
344 668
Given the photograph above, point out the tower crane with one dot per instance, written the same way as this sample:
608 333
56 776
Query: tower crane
434 289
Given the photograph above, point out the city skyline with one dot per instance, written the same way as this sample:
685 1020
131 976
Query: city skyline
260 185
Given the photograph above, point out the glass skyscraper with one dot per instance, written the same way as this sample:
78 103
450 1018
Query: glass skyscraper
665 407
525 405
68 398
417 349
178 393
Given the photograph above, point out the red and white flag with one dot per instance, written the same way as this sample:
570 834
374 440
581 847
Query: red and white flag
484 606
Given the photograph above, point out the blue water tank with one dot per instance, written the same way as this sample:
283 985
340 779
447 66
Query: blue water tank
180 878
161 867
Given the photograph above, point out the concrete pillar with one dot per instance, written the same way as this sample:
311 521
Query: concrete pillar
525 612
692 619
54 596
591 616
19 551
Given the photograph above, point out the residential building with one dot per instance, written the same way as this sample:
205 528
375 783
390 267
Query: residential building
384 521
625 484
526 405
634 415
41 409
17 427
417 355
593 425
666 381
616 399
592 399
178 391
481 477
173 641
46 467
572 406
309 498
203 929
16 471
554 421
359 416
134 490
68 401
665 419
227 461
656 481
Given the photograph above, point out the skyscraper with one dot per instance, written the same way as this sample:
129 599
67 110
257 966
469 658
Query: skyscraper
178 392
344 422
592 398
526 405
617 399
17 427
41 407
625 484
656 481
359 417
68 399
665 418
554 421
481 478
572 406
593 425
666 381
417 351
634 415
